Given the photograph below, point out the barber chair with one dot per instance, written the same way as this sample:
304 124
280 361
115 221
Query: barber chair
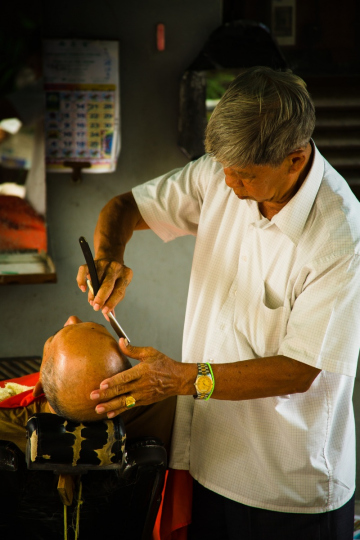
80 480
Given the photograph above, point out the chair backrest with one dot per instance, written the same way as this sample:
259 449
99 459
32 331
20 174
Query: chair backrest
118 500
63 446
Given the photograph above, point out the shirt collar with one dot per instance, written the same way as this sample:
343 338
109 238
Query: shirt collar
292 218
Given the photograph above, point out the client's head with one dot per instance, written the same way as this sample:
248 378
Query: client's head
75 361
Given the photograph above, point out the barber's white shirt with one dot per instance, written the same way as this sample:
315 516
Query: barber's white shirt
289 286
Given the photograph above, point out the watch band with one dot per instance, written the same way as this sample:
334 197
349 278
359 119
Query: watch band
205 382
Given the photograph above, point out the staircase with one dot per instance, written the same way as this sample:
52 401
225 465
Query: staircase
337 131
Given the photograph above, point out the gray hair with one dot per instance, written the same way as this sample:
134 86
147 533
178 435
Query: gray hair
262 117
50 384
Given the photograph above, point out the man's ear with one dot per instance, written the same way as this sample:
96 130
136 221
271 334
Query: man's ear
297 161
38 389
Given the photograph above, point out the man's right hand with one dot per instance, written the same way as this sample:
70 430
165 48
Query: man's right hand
117 221
113 276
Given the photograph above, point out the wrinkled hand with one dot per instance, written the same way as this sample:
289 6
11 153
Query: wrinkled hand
114 278
157 377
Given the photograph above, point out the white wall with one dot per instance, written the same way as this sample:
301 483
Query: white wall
153 310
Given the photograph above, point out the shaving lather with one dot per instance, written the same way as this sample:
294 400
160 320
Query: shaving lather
94 285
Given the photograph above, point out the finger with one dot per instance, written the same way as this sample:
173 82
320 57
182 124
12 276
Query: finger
138 353
113 288
105 313
82 276
117 385
116 296
108 283
111 408
115 406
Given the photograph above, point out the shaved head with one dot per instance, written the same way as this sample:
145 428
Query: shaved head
75 361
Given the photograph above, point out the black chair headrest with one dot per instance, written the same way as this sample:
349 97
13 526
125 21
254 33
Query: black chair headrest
55 443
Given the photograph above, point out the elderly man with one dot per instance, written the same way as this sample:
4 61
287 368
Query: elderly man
272 331
75 360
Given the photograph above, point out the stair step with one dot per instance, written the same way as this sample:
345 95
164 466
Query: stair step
343 161
328 86
336 133
356 191
343 141
352 176
337 120
342 102
337 130
348 153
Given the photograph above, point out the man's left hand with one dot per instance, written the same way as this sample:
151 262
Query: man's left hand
155 378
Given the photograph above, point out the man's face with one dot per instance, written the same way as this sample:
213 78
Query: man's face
261 183
271 187
82 355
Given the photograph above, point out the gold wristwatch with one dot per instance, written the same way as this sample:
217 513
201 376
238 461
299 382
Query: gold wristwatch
204 383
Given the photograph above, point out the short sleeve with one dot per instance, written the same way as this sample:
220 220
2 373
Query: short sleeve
324 325
171 204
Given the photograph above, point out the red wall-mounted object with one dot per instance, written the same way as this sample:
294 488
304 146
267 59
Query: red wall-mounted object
160 37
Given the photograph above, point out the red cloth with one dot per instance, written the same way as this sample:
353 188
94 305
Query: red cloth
23 399
20 226
175 510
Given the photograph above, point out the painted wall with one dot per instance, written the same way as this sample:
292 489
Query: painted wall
153 310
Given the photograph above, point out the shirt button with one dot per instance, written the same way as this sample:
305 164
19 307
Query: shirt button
244 258
235 293
222 326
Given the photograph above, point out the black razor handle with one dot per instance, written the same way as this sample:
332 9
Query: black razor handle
91 264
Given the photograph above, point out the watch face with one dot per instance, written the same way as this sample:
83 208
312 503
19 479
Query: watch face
204 384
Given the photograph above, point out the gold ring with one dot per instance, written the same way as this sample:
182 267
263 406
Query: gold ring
130 401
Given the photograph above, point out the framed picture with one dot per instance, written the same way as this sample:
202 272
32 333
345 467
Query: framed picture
283 21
